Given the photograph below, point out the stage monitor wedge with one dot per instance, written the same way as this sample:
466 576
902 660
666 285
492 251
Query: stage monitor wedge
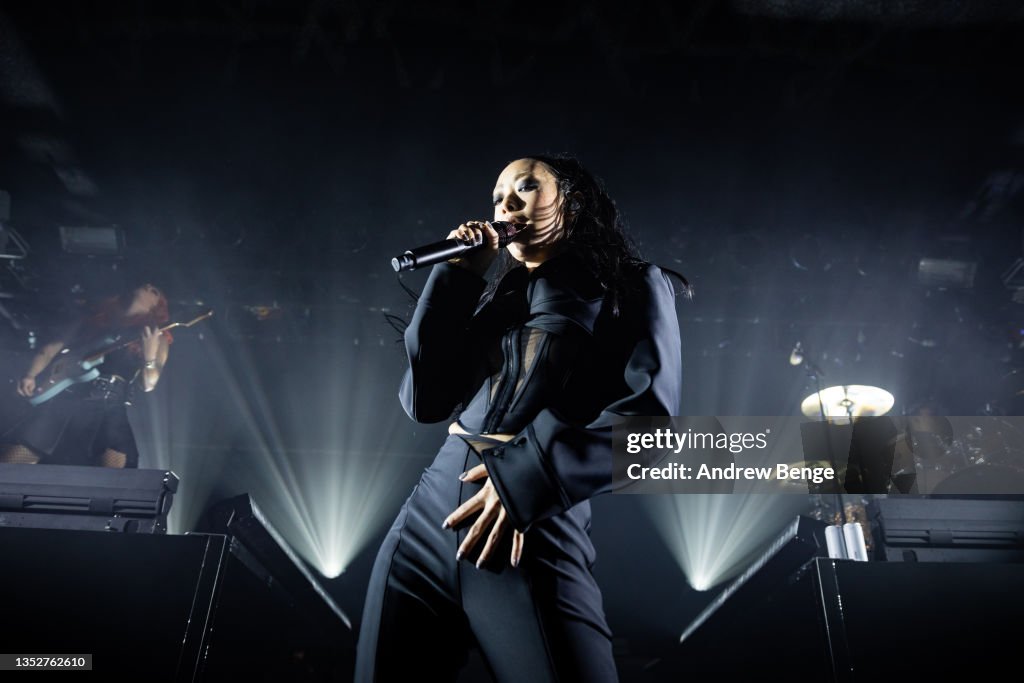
242 520
86 498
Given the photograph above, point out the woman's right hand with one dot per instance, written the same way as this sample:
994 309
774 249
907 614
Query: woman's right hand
27 387
477 260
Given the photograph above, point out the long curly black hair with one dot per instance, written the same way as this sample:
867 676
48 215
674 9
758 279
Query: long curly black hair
594 230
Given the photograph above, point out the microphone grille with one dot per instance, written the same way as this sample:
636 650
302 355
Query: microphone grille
506 231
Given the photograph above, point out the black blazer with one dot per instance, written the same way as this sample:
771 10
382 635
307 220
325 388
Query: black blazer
545 360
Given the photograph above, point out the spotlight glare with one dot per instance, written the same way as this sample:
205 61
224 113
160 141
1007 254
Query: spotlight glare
714 537
701 583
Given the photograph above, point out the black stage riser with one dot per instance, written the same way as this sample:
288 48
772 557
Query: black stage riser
161 608
844 621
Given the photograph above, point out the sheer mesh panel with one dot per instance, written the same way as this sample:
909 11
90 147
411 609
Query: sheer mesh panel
529 342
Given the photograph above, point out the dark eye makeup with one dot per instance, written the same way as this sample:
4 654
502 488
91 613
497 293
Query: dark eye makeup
525 187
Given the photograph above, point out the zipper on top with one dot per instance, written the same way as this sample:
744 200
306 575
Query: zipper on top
508 381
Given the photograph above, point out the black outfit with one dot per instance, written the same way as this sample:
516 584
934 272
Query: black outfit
78 425
546 360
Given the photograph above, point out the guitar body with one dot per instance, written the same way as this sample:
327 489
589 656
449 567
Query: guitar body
64 371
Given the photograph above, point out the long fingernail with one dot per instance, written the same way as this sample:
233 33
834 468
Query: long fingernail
515 561
462 477
478 563
458 556
444 524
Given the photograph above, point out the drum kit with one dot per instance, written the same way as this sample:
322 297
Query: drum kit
981 455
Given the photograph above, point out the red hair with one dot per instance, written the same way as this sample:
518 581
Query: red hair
109 314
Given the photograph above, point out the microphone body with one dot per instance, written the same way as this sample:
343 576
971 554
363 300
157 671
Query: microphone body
429 254
796 356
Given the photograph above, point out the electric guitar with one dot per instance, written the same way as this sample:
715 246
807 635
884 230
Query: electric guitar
68 367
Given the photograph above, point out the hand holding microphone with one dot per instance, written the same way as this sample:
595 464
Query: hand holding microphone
473 245
483 246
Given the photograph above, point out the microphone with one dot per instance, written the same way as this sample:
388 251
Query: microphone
796 356
429 254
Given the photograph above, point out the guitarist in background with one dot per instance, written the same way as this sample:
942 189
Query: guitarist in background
88 423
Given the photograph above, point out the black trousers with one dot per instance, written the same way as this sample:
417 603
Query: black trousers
541 621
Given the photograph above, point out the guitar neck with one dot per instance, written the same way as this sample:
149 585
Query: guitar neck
120 345
160 330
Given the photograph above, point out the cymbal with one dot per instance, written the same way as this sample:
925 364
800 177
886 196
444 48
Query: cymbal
847 400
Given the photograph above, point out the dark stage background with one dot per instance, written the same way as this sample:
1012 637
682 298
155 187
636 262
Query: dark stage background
795 160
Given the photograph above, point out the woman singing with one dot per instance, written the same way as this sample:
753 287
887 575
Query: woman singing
88 423
492 547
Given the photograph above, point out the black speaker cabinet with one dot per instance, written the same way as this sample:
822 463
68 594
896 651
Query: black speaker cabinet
840 621
161 608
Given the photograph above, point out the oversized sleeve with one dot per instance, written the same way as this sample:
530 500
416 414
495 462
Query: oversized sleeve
552 464
437 342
